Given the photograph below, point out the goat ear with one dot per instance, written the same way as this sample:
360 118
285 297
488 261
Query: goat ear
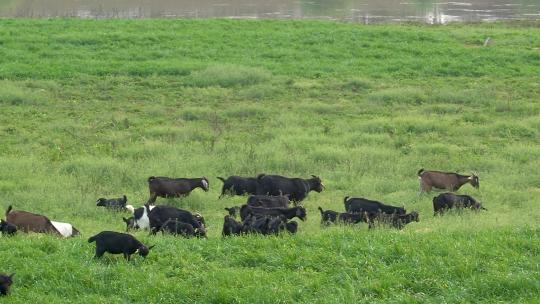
11 275
313 176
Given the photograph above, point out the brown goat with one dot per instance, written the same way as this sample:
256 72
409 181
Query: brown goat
445 180
174 187
30 222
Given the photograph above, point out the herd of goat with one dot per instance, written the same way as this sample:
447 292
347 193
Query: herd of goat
268 210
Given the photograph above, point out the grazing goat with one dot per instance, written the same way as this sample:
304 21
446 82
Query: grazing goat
351 218
446 201
445 180
292 227
30 222
7 228
264 224
268 201
256 224
5 283
65 229
329 216
174 187
397 221
117 204
231 226
116 243
233 211
296 188
360 205
175 227
130 223
287 213
238 185
154 218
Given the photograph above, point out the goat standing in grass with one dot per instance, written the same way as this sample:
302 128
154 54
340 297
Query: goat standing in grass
445 180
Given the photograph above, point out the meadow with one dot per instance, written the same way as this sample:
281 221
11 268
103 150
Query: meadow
92 108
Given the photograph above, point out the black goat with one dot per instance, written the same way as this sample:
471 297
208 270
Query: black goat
117 204
360 205
328 216
231 226
445 180
116 243
5 283
7 228
233 211
287 213
291 227
351 218
296 188
176 227
130 223
268 201
264 224
397 221
446 201
238 185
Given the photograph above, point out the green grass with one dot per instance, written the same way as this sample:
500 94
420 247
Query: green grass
91 108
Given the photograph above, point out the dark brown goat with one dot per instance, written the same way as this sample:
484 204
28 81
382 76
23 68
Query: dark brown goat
174 187
445 180
30 222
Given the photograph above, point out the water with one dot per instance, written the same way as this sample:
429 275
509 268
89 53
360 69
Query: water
366 11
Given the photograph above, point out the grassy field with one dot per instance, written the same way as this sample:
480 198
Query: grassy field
90 109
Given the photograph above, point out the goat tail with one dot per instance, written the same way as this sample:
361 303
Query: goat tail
125 199
322 211
151 178
261 176
92 239
8 210
420 171
221 178
345 199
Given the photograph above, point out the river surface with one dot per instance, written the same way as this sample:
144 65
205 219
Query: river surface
365 11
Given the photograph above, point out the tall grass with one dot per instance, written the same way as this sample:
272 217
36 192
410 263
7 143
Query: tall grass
91 108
